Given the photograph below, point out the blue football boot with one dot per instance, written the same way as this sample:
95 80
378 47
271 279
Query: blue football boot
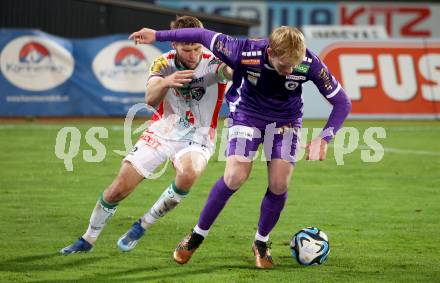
129 240
80 246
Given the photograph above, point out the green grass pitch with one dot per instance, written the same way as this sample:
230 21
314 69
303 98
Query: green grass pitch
382 219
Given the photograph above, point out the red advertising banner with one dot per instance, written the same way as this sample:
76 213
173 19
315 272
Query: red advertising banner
388 78
399 19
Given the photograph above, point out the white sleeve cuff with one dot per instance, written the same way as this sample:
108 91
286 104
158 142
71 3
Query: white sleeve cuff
333 93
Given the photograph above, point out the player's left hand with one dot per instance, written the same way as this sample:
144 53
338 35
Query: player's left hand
316 149
143 36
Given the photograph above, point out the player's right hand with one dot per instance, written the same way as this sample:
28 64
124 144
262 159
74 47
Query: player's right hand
179 78
143 36
316 149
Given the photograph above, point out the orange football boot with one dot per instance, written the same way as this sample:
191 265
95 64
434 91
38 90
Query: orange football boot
263 259
185 249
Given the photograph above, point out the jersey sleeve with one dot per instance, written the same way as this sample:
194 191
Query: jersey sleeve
331 89
320 75
216 66
225 47
158 68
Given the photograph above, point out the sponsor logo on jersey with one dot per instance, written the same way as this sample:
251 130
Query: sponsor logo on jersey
324 75
287 128
291 85
158 64
253 80
189 93
296 78
187 121
302 68
255 74
197 80
243 132
250 61
149 139
121 67
189 116
214 61
206 55
197 93
35 63
222 49
251 53
307 59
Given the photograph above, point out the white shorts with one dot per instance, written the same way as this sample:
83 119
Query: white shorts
151 151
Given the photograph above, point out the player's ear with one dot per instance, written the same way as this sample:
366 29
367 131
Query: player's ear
173 45
269 51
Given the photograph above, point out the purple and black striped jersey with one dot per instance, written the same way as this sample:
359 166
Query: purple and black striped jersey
258 90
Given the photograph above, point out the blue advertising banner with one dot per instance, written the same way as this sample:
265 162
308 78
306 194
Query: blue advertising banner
271 14
401 19
44 75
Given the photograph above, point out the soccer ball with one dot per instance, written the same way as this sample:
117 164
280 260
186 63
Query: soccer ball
310 246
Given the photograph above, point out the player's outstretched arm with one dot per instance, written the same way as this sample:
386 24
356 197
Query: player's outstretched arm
157 87
226 48
143 36
195 35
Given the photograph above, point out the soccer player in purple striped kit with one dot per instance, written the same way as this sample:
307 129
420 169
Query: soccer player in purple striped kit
266 106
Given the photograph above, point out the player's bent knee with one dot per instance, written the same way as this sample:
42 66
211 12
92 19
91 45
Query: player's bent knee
117 191
235 179
113 196
278 188
186 179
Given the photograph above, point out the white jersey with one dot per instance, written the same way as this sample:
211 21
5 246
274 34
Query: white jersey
189 112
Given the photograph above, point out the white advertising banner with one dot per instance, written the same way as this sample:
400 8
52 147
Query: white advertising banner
345 32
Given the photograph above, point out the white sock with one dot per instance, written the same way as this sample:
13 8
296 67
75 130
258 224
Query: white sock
261 238
102 212
169 199
200 231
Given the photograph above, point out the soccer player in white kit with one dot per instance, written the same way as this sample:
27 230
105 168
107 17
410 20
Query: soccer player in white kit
187 86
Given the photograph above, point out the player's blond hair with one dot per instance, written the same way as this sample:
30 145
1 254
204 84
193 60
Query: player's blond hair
186 22
287 42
